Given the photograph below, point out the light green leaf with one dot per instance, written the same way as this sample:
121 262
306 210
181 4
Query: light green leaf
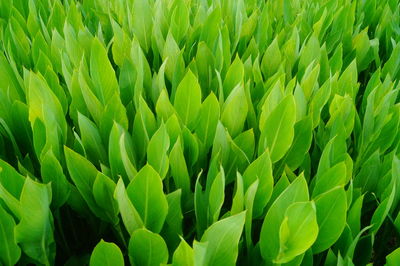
10 252
106 253
157 151
234 111
52 171
187 100
183 255
278 131
142 23
216 196
35 230
207 121
103 75
261 170
91 140
393 258
120 154
269 238
103 189
83 174
272 59
144 126
147 248
331 178
298 231
129 214
223 239
146 194
249 203
234 76
179 169
382 211
331 217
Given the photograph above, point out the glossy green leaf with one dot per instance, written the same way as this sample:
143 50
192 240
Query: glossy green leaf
298 231
187 100
147 248
35 230
52 171
183 255
331 209
234 111
179 169
261 170
223 239
157 151
130 216
146 194
102 73
269 238
208 119
10 252
278 131
106 253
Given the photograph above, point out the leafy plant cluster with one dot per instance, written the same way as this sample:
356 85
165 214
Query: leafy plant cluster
198 132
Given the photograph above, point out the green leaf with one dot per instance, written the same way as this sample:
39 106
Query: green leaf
234 111
35 230
103 189
199 251
298 231
129 214
183 255
173 222
179 169
103 75
382 211
216 196
272 59
278 131
106 253
10 252
164 108
180 21
45 107
11 184
269 238
142 23
144 126
157 151
301 143
238 199
331 217
223 239
147 248
261 170
146 194
249 204
83 174
331 178
208 120
120 153
52 171
354 216
234 76
393 258
114 112
91 140
187 100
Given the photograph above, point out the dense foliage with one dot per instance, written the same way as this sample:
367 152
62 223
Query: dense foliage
199 132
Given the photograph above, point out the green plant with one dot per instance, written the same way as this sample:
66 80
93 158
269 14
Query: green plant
197 132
